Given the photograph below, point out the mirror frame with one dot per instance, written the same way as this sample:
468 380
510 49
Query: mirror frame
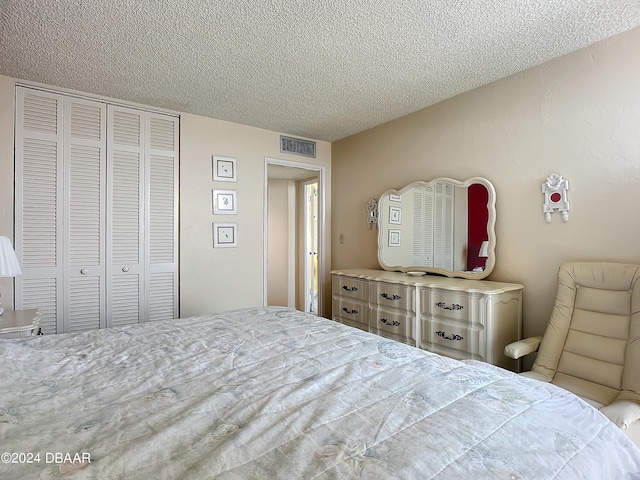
491 234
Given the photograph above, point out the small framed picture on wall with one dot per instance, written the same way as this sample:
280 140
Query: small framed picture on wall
224 202
224 169
225 235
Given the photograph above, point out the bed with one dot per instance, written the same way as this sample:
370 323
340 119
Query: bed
269 393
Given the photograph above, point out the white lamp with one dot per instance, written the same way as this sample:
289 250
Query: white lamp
9 266
484 249
483 253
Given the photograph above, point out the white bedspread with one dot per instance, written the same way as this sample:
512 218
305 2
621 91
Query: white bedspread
273 393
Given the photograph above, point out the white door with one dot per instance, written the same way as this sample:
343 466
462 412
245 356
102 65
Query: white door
125 216
38 228
311 246
161 222
84 203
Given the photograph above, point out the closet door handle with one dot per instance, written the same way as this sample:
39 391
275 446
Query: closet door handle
83 271
125 269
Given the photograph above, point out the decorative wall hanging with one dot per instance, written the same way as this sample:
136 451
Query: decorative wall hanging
224 202
555 197
372 212
225 235
224 169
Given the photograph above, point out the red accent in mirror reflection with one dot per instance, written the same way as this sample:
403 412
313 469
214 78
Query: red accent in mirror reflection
478 217
555 197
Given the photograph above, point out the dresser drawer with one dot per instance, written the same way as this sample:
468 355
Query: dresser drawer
453 339
351 312
350 287
392 324
390 295
454 306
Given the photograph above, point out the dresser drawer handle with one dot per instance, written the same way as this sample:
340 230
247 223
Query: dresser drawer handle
453 306
390 297
350 312
393 323
455 336
350 289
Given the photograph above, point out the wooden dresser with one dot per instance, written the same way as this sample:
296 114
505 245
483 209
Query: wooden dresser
460 318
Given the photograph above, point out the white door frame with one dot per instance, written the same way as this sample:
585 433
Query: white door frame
321 172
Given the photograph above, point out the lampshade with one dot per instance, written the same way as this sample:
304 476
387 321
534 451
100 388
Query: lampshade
9 266
484 249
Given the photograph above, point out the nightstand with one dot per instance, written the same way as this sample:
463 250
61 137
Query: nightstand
21 322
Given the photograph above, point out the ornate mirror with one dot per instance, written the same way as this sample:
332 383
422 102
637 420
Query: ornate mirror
443 226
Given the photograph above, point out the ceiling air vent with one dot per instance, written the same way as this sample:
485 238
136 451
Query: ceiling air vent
297 146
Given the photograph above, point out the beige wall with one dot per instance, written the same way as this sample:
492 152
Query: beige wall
578 115
213 280
281 195
210 280
7 95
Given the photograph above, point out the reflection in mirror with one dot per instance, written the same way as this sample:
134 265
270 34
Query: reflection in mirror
443 226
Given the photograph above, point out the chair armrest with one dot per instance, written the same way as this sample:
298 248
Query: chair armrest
622 412
522 347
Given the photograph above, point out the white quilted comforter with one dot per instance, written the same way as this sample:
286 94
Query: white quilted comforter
274 393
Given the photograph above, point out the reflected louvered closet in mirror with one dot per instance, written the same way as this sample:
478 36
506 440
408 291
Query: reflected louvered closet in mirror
96 211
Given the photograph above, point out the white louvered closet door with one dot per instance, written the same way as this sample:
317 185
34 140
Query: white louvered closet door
423 234
38 229
84 201
443 226
161 165
125 216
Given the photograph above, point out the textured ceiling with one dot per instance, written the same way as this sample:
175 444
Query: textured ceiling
323 69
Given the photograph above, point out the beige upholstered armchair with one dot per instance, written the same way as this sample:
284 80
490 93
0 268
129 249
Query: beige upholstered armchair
591 345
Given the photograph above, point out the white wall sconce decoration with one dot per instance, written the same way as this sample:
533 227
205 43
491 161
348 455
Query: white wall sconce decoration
372 212
555 197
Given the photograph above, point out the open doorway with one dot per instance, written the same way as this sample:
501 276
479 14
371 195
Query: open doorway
294 215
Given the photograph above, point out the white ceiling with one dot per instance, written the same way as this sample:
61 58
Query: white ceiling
323 69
